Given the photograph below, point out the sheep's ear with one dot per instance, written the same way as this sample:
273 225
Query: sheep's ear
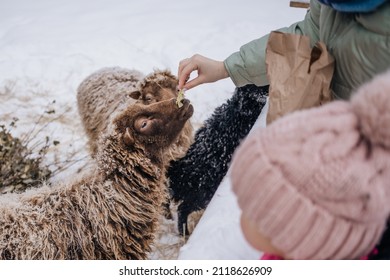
135 94
128 139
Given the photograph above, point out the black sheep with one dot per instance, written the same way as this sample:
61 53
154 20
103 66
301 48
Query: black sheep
195 177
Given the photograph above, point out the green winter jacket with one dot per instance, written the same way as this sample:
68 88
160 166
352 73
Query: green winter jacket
360 44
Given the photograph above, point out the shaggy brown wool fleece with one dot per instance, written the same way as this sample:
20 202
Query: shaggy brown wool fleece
111 212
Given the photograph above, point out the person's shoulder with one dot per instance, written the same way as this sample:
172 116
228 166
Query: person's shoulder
377 21
315 6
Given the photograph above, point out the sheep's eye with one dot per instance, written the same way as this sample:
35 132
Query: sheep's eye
149 97
143 125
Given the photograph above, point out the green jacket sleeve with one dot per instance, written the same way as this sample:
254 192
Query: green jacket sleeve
247 66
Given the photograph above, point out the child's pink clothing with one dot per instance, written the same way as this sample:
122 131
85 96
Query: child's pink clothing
267 256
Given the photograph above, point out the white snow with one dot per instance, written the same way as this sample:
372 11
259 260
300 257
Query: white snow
48 47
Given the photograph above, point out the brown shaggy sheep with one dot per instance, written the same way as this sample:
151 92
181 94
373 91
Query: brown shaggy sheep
110 89
110 213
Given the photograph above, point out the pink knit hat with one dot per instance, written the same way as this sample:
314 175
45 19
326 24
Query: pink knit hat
317 182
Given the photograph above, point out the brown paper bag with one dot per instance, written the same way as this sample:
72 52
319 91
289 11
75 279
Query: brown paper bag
299 75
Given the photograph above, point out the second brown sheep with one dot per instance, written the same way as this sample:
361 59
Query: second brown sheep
111 89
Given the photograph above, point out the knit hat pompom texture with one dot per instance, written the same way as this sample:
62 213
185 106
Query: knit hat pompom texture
316 182
373 110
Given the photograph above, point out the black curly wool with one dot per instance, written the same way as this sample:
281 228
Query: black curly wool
195 178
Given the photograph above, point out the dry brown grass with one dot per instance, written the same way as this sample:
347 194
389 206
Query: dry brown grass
20 169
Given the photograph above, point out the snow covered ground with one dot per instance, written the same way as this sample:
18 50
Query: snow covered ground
47 47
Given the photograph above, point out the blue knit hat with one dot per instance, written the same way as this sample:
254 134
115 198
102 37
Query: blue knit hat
353 6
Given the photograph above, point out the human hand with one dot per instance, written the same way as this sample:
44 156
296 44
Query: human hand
208 71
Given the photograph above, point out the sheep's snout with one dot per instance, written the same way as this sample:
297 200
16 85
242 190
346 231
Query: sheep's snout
187 110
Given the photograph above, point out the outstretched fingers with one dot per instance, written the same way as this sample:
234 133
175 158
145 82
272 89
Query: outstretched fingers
208 71
186 67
